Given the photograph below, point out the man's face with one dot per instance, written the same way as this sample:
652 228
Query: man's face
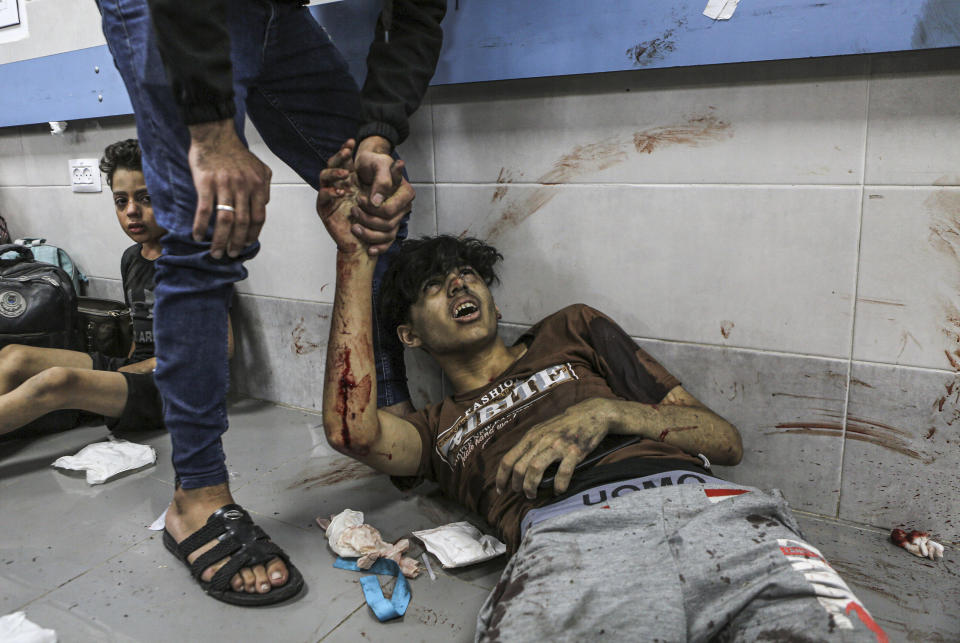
455 313
132 203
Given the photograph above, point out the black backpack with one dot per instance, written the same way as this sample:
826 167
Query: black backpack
38 307
38 303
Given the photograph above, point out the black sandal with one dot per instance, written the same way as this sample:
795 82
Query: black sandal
246 545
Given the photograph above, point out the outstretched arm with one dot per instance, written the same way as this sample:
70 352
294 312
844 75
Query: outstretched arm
652 404
679 420
352 423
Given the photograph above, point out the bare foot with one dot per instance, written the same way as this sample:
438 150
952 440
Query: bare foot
189 512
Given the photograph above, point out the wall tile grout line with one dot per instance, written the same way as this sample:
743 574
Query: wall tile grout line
624 184
745 349
729 186
91 568
344 620
856 284
599 184
848 524
433 160
436 210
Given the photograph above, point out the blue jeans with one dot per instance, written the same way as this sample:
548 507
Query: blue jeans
294 85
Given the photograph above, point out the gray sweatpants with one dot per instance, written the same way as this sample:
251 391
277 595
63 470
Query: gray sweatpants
676 563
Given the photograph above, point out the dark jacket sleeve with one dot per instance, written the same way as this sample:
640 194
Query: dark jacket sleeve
195 46
399 71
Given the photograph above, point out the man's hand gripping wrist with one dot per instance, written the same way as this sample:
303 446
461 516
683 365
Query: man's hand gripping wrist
338 203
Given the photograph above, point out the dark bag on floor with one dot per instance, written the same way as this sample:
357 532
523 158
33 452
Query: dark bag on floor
105 326
42 251
38 303
38 307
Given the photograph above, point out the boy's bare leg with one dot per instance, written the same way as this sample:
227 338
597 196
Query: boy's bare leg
19 363
59 387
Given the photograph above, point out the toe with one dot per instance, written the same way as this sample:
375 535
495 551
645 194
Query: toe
208 573
249 580
263 584
277 572
237 583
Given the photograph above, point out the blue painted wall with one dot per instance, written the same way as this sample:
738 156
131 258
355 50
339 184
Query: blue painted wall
62 88
498 39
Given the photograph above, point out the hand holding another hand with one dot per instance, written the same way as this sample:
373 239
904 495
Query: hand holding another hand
346 208
337 200
386 196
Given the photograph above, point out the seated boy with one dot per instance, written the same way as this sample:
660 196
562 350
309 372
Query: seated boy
642 542
35 381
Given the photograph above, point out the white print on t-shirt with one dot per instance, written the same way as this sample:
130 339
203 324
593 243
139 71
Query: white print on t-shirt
501 402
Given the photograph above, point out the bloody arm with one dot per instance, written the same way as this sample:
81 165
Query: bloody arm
349 390
351 421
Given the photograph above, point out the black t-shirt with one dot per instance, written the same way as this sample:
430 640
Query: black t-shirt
137 274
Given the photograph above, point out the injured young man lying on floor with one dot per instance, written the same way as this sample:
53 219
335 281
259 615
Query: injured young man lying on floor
589 458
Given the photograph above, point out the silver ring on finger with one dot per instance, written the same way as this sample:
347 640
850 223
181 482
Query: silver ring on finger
228 208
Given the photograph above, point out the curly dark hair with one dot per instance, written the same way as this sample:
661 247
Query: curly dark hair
121 155
420 259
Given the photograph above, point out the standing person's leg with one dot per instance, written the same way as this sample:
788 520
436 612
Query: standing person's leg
190 331
305 104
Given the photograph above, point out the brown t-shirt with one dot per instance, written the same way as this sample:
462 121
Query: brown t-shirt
573 355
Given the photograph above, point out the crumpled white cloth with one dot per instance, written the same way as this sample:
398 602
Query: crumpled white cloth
337 526
17 628
459 544
103 460
350 537
917 543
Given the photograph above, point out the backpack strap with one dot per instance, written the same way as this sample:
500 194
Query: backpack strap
23 254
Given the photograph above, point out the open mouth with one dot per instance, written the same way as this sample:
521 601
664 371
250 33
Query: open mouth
466 311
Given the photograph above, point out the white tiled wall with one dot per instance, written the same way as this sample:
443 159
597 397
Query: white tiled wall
784 236
64 25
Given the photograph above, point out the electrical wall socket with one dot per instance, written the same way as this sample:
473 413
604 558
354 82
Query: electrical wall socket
85 175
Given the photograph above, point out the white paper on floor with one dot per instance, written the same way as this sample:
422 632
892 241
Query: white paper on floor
17 628
720 9
459 544
160 523
103 460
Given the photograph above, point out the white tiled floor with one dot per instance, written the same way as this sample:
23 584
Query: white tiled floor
81 560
